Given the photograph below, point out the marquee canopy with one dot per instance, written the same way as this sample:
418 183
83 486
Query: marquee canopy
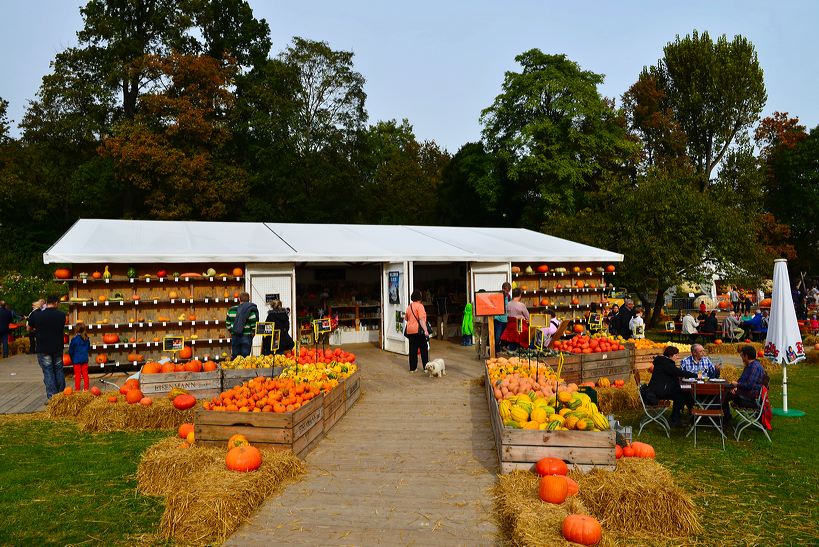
134 241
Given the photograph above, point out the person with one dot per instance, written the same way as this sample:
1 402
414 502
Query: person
703 307
516 333
37 305
623 319
814 324
700 364
637 327
746 390
502 320
689 327
734 296
50 324
416 331
760 296
730 327
755 324
281 322
441 301
609 320
467 325
241 324
746 303
710 324
665 382
78 350
6 318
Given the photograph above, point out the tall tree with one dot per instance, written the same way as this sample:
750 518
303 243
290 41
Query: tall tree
557 136
229 28
471 193
715 91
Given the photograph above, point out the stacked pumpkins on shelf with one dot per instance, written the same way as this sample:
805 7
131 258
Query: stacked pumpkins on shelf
194 365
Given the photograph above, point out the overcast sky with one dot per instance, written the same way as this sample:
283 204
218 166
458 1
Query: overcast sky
439 63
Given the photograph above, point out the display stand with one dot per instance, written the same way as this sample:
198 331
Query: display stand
489 304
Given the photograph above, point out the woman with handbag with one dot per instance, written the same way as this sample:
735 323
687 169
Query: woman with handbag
417 331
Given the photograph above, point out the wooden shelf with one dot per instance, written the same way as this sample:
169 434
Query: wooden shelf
147 281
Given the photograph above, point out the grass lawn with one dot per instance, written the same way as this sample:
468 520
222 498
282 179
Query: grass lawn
61 486
753 493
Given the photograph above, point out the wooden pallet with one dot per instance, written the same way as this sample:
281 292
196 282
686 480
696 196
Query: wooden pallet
200 384
232 377
297 431
590 367
335 405
520 449
353 389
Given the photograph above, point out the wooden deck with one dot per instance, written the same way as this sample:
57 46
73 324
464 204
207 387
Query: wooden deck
21 397
410 464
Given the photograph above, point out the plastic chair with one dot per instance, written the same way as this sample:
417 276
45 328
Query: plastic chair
747 416
707 411
653 413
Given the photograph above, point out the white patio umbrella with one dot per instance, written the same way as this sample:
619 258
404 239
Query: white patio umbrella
783 344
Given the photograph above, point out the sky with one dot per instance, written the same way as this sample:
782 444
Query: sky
439 63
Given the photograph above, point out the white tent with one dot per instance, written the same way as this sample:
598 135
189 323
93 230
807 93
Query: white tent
133 241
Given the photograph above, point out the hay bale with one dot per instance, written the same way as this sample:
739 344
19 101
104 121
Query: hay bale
639 498
611 400
730 373
528 521
216 501
100 415
68 406
165 466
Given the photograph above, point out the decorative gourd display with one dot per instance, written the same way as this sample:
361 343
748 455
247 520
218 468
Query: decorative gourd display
131 273
106 274
237 440
243 459
553 489
62 273
581 529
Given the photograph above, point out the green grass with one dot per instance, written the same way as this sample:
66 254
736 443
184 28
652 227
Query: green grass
753 493
61 486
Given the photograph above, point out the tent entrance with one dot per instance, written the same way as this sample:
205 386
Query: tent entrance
443 288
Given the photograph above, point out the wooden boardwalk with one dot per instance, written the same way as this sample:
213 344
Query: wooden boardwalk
410 464
21 397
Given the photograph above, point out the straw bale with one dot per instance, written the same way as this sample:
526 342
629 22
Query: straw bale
68 406
526 520
215 501
730 373
613 400
639 498
165 466
810 340
100 415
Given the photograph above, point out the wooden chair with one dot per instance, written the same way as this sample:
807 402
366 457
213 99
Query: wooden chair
707 411
653 413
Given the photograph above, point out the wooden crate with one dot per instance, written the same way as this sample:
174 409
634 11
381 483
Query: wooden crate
520 449
335 405
200 384
298 431
353 389
232 377
641 359
590 367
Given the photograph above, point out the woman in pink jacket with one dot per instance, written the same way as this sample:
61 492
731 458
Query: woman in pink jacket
416 331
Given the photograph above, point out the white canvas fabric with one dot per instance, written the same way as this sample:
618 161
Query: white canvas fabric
783 343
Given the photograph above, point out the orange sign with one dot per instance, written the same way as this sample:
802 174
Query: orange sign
489 303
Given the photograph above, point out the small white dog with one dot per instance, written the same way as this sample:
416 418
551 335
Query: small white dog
436 368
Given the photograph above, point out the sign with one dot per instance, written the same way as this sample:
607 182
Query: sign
399 321
173 343
670 326
320 326
489 303
393 288
272 296
265 329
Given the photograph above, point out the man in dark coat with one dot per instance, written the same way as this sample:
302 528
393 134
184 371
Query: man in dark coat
665 382
623 319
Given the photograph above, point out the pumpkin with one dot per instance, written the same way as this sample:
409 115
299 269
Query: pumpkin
101 358
628 452
62 273
209 366
162 273
194 365
765 303
135 298
551 466
131 383
618 451
167 367
619 383
151 367
581 529
604 382
173 295
580 284
191 438
237 272
544 302
553 489
718 341
573 487
184 402
515 269
66 360
760 354
642 450
138 357
146 401
575 269
68 391
95 391
186 353
110 338
724 305
102 298
96 275
184 429
243 458
543 268
133 396
816 346
113 398
237 440
575 301
191 317
179 367
610 268
578 328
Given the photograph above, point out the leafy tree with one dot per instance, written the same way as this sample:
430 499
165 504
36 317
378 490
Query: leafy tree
4 121
715 91
556 136
470 193
229 28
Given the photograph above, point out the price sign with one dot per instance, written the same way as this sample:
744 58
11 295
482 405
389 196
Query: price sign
489 303
173 343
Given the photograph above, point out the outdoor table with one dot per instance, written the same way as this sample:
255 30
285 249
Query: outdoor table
708 396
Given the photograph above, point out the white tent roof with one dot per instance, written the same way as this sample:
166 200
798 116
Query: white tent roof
126 241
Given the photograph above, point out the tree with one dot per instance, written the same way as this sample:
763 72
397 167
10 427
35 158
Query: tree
229 29
715 91
4 121
558 138
470 193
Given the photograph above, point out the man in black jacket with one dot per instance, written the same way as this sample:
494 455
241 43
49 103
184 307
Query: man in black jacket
623 318
50 326
6 318
665 382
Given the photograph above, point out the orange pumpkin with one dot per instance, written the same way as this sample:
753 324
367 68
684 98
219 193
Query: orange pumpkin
113 398
237 440
184 402
146 401
194 365
237 272
543 268
610 268
135 297
243 458
209 366
184 429
62 273
173 295
110 338
95 391
718 341
575 269
101 358
96 275
167 367
618 451
133 396
553 489
573 487
138 357
132 383
179 367
551 466
581 529
186 353
765 303
151 367
575 301
578 328
580 284
544 302
191 317
68 391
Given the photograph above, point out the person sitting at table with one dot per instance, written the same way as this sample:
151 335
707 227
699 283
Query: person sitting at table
689 327
710 324
754 325
698 362
730 327
746 390
665 382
